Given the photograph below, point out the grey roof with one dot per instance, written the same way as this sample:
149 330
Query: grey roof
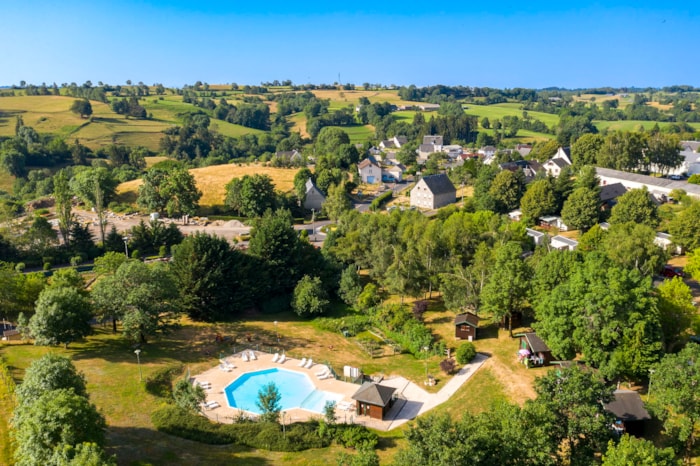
627 406
536 344
561 162
311 185
426 148
650 181
533 233
604 225
432 139
374 394
565 240
439 184
612 191
663 236
467 318
388 143
367 162
692 145
401 139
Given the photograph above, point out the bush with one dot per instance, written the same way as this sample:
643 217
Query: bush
19 268
181 423
465 353
47 266
380 200
160 383
352 436
419 308
163 251
447 366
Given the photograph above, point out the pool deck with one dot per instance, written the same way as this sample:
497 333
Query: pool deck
412 400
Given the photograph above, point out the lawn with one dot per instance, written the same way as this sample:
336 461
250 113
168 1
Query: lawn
212 181
358 134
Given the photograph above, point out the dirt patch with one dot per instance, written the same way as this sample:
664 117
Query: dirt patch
518 389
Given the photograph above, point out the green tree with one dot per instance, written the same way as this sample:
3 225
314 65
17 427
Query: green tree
635 206
675 397
579 425
251 195
632 246
692 267
109 263
508 285
684 227
663 152
169 188
13 162
676 311
49 372
586 149
201 263
310 297
638 452
350 286
269 403
300 179
337 201
581 209
538 200
188 396
506 189
83 454
82 108
57 418
96 187
144 297
369 298
64 206
62 316
544 150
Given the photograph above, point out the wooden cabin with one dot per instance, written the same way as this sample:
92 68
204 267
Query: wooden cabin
466 325
539 352
629 411
374 400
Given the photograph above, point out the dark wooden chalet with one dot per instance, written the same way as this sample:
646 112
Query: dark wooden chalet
539 352
374 400
629 411
466 325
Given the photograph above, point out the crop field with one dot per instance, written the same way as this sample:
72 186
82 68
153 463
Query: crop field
212 182
341 99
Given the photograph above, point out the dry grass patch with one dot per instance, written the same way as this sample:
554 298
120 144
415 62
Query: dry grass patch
212 181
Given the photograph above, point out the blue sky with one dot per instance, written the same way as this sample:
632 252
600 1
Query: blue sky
497 44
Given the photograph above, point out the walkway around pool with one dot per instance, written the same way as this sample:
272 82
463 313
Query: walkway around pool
412 400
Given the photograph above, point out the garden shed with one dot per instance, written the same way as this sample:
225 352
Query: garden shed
466 325
374 400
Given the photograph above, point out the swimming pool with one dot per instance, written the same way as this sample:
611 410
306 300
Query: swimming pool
296 391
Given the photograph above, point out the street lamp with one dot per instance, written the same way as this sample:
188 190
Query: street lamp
126 246
138 361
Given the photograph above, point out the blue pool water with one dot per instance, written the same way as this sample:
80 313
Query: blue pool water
296 391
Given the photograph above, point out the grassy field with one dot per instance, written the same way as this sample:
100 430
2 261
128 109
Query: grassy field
358 134
498 111
632 125
212 182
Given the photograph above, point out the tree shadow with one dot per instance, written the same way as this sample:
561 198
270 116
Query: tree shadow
112 120
140 446
489 331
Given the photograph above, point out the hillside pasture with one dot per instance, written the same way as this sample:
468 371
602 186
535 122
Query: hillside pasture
632 125
498 111
212 182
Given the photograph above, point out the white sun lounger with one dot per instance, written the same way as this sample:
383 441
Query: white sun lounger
253 357
309 364
282 359
275 357
322 372
202 383
244 357
302 362
325 376
211 404
225 367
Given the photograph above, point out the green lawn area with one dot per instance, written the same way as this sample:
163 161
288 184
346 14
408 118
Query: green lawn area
498 111
358 134
632 125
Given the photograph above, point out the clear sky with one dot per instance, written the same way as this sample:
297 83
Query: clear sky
507 43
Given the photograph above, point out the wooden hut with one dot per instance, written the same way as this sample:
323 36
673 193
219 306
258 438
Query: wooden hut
374 400
466 325
629 411
539 352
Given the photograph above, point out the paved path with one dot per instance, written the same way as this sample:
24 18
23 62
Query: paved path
414 400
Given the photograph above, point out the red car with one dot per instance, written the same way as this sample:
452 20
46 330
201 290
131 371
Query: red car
670 272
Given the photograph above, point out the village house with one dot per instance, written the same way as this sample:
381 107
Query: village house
538 237
394 143
665 242
629 411
433 192
314 198
431 144
563 243
393 173
370 172
374 400
558 162
533 351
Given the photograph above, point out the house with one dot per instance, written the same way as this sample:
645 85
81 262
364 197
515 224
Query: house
370 171
487 151
660 188
537 236
523 149
466 325
528 167
289 156
534 351
431 143
394 143
435 140
629 411
452 150
558 162
429 107
552 221
394 173
609 194
374 400
665 241
433 192
515 215
563 243
314 198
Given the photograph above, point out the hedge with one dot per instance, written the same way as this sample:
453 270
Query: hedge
381 200
299 436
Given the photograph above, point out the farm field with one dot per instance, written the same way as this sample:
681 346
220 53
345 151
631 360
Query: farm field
358 134
212 182
632 125
509 109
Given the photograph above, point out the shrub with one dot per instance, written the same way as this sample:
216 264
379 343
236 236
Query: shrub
163 251
447 366
465 353
160 383
179 422
19 268
352 436
47 265
419 308
136 254
380 200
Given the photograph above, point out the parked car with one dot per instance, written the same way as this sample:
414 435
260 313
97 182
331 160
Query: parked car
676 177
671 272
